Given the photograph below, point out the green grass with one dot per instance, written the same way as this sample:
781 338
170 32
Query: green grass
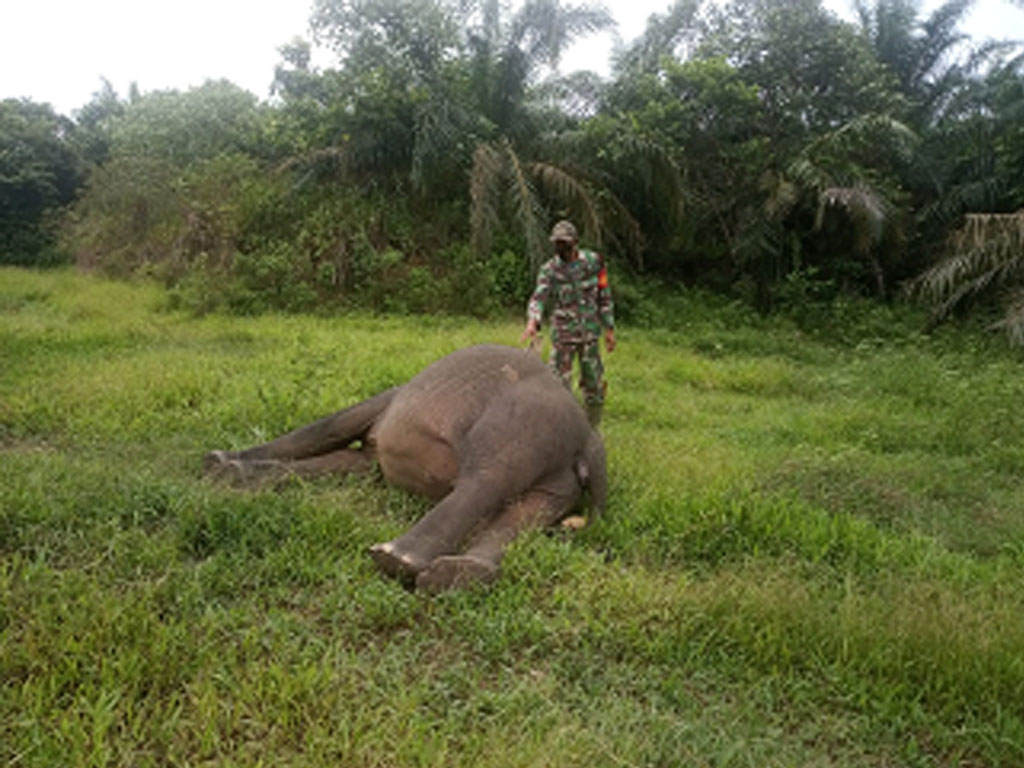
813 553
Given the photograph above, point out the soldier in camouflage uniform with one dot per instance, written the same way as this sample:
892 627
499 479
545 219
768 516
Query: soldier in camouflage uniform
573 288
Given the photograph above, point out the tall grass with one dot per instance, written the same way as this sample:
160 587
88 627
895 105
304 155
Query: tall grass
813 553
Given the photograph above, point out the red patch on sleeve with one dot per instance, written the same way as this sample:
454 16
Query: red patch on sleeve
602 278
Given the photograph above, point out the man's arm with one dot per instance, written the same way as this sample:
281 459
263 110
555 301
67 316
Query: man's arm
538 301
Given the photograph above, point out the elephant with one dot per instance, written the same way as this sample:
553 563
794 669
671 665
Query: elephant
488 433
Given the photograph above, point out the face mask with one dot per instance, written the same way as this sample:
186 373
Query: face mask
564 249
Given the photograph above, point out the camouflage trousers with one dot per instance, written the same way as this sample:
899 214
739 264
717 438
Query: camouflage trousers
592 381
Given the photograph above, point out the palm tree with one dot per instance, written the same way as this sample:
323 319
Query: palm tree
842 171
575 186
450 89
820 196
953 108
524 166
986 255
661 37
920 53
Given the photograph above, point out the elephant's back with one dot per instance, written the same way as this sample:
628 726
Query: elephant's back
484 363
458 386
448 396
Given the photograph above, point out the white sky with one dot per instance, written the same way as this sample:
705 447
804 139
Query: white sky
56 51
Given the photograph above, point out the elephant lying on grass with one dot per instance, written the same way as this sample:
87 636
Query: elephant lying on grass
488 433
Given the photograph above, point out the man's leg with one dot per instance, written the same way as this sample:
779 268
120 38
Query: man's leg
592 381
561 363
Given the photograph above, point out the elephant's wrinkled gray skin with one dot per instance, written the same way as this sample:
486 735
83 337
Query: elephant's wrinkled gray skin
487 432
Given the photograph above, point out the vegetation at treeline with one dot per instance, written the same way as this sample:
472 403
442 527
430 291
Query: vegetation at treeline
762 149
813 552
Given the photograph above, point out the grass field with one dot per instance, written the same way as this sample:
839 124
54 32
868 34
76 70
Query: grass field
813 554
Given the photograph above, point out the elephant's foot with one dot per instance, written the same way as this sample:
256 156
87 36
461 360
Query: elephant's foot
214 460
400 565
220 466
456 572
573 522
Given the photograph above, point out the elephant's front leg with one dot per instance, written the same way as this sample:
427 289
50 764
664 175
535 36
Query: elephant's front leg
481 562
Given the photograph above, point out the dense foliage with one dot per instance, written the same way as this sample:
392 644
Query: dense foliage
39 173
767 150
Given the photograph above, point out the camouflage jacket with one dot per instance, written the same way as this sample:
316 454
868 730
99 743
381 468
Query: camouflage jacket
577 296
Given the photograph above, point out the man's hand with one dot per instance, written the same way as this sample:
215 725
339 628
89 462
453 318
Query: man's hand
609 339
530 332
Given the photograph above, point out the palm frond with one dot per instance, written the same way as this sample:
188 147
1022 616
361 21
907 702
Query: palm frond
660 38
940 36
992 52
621 226
1013 318
484 185
980 194
333 161
808 175
863 206
986 252
527 208
654 160
544 29
869 130
651 165
561 185
577 94
780 195
440 123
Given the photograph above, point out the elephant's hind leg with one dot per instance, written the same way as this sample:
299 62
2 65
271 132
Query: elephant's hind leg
440 531
256 472
481 562
321 438
444 528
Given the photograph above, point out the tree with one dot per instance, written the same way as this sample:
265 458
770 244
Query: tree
94 120
186 126
40 171
941 78
391 110
983 258
520 161
431 91
782 126
176 168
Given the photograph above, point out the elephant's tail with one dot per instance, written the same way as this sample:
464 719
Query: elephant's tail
596 473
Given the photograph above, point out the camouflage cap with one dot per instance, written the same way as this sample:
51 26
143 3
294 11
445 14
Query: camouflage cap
563 230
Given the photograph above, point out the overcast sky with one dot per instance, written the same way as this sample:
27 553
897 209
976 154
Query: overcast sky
57 51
